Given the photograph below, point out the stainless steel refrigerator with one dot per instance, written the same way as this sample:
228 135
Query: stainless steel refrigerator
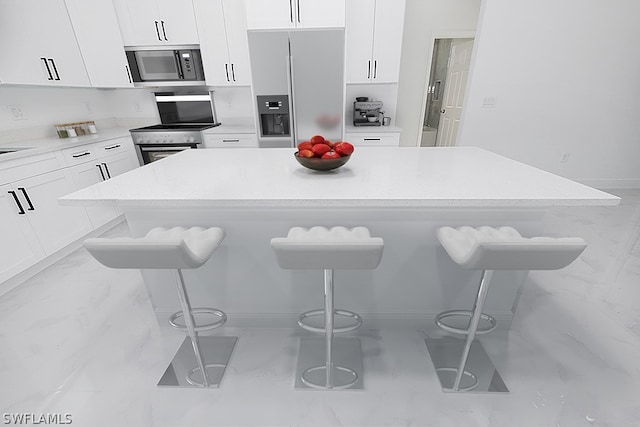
298 84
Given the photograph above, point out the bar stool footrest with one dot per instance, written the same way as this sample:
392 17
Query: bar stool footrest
336 330
465 313
220 316
447 378
343 377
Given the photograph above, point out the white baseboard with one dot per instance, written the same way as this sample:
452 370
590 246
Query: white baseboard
31 271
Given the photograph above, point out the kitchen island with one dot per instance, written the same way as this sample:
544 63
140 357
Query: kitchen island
401 194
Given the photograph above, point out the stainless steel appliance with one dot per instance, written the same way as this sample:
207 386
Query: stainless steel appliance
367 113
166 66
184 115
298 80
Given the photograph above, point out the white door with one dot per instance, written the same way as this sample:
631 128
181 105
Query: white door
98 34
213 42
267 14
387 41
177 22
139 22
359 40
38 45
56 226
318 14
19 246
454 89
88 174
236 28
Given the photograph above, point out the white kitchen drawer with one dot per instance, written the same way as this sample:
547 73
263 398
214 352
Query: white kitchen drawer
113 146
80 154
230 141
380 139
15 169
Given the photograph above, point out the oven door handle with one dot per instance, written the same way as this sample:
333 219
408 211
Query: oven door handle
165 148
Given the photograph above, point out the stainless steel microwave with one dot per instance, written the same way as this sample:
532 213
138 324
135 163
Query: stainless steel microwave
170 66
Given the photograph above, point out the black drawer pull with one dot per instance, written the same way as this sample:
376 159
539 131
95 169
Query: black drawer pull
230 140
86 153
26 196
15 197
372 139
112 147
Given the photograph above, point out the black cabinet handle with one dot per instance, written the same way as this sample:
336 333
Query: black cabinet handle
233 73
291 11
53 64
106 169
369 70
230 140
375 69
372 139
158 31
164 31
226 70
101 172
26 196
86 153
298 3
46 64
112 147
126 67
15 197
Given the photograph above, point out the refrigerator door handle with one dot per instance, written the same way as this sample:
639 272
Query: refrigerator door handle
292 97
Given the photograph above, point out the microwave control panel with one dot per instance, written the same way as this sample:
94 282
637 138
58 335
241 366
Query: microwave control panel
186 62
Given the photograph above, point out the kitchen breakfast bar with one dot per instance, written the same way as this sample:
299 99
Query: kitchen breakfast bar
402 195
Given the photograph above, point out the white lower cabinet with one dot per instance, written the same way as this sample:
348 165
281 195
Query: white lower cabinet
56 226
230 141
87 174
373 139
19 246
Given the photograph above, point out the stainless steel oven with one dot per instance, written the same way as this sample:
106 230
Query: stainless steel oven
184 115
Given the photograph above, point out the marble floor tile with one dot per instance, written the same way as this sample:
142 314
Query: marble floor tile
82 339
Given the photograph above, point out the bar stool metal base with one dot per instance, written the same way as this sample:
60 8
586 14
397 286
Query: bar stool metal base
184 371
347 351
445 355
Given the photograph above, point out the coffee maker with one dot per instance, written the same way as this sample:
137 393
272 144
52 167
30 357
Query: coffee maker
367 113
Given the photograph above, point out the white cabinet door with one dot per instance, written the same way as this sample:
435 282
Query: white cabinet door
238 44
38 45
19 246
139 22
96 28
268 14
374 40
359 39
177 22
55 225
88 174
318 14
119 163
223 42
387 40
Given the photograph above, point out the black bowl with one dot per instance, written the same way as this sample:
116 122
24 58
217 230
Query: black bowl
318 164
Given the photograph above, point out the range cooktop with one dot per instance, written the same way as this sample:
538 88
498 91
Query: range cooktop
177 127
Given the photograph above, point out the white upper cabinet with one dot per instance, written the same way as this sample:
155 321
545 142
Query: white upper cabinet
268 14
38 45
223 41
374 40
156 22
98 35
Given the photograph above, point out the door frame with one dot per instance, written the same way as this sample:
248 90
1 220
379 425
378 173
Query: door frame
440 34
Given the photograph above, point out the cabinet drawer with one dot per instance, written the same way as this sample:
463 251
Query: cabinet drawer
230 141
13 170
80 154
373 140
113 146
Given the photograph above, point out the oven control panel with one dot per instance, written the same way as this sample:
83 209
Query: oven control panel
156 137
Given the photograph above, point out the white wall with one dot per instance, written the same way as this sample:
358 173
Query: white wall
566 78
425 20
42 107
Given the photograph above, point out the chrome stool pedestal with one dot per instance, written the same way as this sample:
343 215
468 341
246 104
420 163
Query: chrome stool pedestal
200 361
329 363
488 249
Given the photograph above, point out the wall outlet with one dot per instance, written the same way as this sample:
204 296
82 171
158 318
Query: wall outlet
565 157
137 107
16 112
229 105
89 108
489 102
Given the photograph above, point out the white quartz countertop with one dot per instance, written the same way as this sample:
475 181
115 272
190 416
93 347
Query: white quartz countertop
401 177
43 145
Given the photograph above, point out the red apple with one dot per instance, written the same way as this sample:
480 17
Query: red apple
317 139
344 148
305 153
320 149
331 155
305 145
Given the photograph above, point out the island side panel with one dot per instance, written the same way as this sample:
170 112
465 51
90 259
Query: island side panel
415 280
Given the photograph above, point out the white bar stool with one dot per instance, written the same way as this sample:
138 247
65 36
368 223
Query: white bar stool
177 248
488 249
338 248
